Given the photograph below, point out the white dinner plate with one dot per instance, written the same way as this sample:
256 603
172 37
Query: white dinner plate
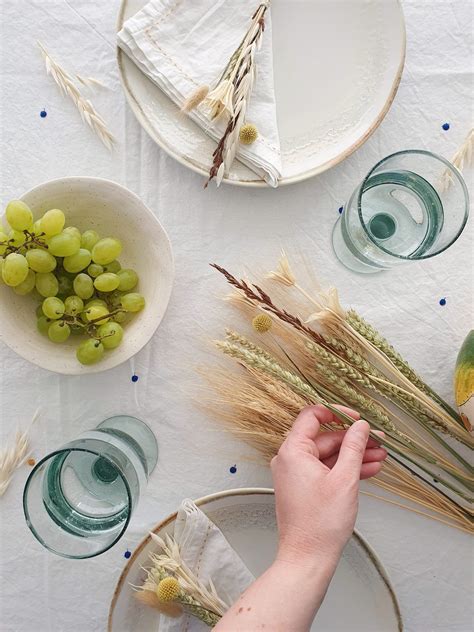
360 598
337 66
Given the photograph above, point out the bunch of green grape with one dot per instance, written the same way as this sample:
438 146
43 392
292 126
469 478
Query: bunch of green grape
77 277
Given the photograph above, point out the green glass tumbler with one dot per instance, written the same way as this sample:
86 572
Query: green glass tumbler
411 206
78 500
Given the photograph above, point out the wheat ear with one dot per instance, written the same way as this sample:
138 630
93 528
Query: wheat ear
68 88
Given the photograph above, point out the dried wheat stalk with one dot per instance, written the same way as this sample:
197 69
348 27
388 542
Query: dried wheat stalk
68 88
344 361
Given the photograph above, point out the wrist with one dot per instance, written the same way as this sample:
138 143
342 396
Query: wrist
303 560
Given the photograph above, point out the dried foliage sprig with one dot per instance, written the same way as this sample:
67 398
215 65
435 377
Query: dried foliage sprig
68 88
230 96
462 158
342 361
12 458
170 580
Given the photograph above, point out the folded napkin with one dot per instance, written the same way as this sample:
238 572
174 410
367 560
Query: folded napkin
206 551
183 44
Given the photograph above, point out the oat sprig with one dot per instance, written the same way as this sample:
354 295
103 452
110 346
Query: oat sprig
68 88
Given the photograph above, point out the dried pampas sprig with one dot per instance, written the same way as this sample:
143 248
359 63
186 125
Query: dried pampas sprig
67 86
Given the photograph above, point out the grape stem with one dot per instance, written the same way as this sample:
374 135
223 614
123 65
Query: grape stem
31 240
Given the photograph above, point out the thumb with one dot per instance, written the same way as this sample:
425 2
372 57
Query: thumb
352 449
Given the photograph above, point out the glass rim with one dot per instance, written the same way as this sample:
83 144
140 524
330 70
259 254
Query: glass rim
448 164
27 513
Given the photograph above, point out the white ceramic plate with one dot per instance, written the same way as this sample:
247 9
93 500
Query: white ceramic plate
113 211
360 598
337 66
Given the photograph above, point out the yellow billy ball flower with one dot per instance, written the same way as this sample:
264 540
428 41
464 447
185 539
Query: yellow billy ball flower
168 589
248 134
262 323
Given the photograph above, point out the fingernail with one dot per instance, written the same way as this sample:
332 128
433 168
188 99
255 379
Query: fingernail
380 433
361 426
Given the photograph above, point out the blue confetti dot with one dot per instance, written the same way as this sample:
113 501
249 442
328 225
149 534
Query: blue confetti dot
442 302
134 378
341 208
233 469
445 126
43 114
127 554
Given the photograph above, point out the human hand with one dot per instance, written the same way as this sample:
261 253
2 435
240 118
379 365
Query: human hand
316 478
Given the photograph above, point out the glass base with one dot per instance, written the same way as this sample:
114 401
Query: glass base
137 433
345 256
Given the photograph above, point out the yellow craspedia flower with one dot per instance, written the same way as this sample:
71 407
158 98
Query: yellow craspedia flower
248 134
262 323
168 589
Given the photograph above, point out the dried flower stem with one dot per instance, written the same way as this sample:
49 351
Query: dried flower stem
87 111
232 95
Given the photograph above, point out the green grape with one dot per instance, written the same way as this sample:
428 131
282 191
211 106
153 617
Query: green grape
1 268
59 331
37 230
52 222
16 238
90 351
133 302
73 305
19 215
79 261
28 284
3 242
113 266
89 239
106 250
39 311
96 301
47 284
40 260
94 270
127 280
123 317
73 231
43 323
14 269
64 284
63 245
106 282
111 334
53 307
94 312
83 286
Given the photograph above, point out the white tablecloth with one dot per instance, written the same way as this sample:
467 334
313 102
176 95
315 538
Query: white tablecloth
427 562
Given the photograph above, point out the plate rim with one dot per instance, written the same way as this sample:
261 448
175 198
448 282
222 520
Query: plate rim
247 491
96 368
257 183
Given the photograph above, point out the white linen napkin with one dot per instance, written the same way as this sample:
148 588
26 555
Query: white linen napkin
206 551
183 44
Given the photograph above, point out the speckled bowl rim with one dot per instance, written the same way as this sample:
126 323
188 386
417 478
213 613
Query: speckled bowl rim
187 161
246 491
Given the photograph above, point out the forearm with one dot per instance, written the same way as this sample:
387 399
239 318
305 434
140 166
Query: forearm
286 597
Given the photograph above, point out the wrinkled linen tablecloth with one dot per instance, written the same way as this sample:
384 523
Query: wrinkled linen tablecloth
427 563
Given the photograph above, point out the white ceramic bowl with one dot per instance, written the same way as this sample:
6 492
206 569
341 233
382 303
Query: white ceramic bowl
113 211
